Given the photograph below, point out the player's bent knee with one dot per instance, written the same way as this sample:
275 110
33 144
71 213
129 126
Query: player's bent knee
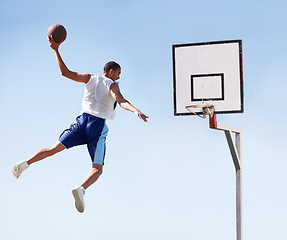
50 151
100 171
98 168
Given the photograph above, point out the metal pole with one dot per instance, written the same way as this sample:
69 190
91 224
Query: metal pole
235 150
238 190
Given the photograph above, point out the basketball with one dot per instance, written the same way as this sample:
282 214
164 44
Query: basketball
58 32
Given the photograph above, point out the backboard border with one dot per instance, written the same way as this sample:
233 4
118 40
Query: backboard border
174 46
207 75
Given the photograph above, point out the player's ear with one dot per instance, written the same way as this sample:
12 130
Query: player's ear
111 71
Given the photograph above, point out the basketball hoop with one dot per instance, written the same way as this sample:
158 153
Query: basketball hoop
201 110
208 80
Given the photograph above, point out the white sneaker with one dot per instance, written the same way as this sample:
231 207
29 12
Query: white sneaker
78 193
19 168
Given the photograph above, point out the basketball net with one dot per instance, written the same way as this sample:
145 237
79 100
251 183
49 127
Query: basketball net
201 110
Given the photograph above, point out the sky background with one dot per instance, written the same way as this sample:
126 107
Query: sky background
170 178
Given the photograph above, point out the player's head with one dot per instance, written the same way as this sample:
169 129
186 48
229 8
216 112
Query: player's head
112 70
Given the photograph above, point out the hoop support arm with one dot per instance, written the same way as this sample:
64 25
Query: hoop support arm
228 131
221 126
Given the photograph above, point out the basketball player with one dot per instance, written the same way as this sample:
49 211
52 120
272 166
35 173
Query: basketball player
101 95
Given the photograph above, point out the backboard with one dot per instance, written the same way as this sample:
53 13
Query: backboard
208 73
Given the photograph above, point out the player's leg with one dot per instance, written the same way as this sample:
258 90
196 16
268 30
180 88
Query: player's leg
46 152
78 192
93 175
97 149
69 138
41 154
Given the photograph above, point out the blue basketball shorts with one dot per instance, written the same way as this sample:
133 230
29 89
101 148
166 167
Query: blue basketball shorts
89 130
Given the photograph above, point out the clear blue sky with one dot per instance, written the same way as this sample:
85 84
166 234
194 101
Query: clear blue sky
170 178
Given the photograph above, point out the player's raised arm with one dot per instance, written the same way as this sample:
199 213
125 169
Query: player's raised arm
78 77
116 94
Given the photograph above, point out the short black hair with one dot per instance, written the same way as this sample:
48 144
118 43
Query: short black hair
111 65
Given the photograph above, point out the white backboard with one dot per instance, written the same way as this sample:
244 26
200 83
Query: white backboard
208 73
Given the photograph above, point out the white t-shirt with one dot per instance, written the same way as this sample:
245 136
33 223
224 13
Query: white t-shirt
97 99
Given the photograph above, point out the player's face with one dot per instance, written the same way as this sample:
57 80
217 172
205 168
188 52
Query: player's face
116 74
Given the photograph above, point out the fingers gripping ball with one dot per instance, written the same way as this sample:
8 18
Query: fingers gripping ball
58 32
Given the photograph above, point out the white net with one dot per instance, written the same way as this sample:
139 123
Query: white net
201 110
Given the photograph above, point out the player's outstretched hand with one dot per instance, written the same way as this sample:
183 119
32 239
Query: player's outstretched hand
53 44
141 116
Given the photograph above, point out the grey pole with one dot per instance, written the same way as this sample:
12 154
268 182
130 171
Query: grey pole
235 150
238 190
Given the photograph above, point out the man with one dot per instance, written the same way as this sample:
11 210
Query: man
101 95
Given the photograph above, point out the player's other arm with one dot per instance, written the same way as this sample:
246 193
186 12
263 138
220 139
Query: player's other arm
115 92
78 77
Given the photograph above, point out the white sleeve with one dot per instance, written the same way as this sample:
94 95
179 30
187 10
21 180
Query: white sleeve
109 83
92 82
